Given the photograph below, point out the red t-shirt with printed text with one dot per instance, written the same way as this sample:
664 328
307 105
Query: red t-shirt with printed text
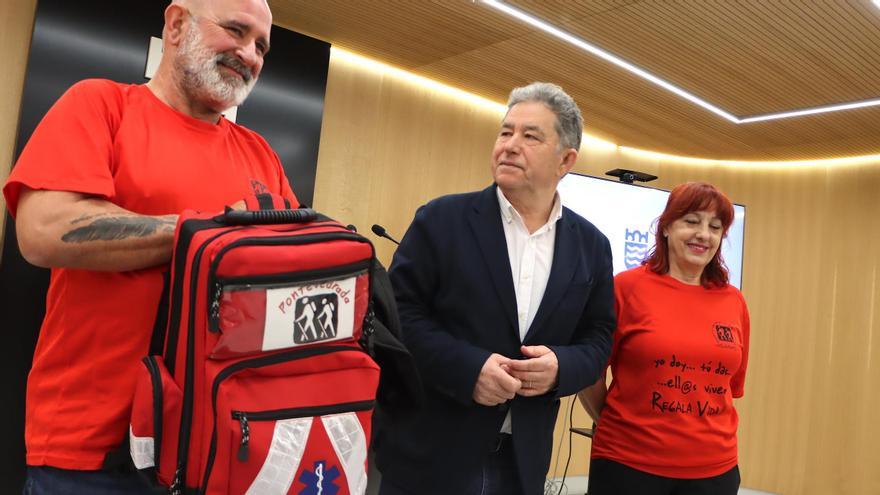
678 360
121 143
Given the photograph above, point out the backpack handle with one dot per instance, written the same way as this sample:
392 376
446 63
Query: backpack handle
263 217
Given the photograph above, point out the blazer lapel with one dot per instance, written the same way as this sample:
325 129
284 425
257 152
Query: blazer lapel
485 221
566 263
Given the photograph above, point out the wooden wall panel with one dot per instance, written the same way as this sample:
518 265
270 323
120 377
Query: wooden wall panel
388 145
16 24
810 274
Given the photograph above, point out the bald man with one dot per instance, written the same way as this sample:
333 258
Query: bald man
95 194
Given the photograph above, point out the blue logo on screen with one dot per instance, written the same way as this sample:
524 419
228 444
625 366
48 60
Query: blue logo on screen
636 248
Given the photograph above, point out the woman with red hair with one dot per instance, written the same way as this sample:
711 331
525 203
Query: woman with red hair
666 424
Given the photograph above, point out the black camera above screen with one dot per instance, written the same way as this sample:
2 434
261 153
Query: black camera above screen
630 176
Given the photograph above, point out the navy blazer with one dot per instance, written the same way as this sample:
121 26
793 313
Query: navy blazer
454 288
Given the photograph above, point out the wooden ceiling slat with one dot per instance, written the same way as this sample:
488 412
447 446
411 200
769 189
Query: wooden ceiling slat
704 59
865 31
836 56
778 76
859 66
568 10
810 36
803 24
858 45
610 89
863 51
760 74
744 94
748 57
718 81
411 33
614 92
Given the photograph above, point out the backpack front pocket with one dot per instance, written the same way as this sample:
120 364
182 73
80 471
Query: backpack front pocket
258 314
320 449
310 434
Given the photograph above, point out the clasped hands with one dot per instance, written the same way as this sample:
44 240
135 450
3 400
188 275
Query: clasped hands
502 378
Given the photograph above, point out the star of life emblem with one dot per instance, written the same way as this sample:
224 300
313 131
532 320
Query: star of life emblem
320 480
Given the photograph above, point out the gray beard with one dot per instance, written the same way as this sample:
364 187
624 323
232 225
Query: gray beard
201 77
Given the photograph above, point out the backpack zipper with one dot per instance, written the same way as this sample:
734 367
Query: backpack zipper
244 418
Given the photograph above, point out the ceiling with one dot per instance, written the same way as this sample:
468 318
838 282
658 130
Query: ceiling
748 57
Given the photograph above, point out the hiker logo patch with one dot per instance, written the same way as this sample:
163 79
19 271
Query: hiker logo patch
320 311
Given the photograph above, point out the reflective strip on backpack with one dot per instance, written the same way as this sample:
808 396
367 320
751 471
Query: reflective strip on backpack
285 454
350 443
141 449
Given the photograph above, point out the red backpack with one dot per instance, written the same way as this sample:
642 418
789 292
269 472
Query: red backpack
264 385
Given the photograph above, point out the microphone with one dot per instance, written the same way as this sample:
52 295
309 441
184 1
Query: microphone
380 231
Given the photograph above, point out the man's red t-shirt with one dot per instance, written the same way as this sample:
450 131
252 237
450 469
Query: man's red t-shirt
121 143
678 360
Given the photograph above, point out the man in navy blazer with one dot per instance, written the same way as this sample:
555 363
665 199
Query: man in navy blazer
506 301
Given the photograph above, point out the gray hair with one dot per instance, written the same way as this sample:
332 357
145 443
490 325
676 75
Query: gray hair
569 123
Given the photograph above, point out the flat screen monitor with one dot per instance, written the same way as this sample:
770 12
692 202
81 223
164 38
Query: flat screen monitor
627 215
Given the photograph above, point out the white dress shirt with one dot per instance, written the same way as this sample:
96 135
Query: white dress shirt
531 256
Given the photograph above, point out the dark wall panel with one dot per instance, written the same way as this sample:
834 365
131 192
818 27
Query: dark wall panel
109 39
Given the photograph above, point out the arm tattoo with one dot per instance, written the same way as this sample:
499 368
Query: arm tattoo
89 217
117 228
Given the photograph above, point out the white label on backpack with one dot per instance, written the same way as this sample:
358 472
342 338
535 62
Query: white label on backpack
313 312
350 443
285 454
141 449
